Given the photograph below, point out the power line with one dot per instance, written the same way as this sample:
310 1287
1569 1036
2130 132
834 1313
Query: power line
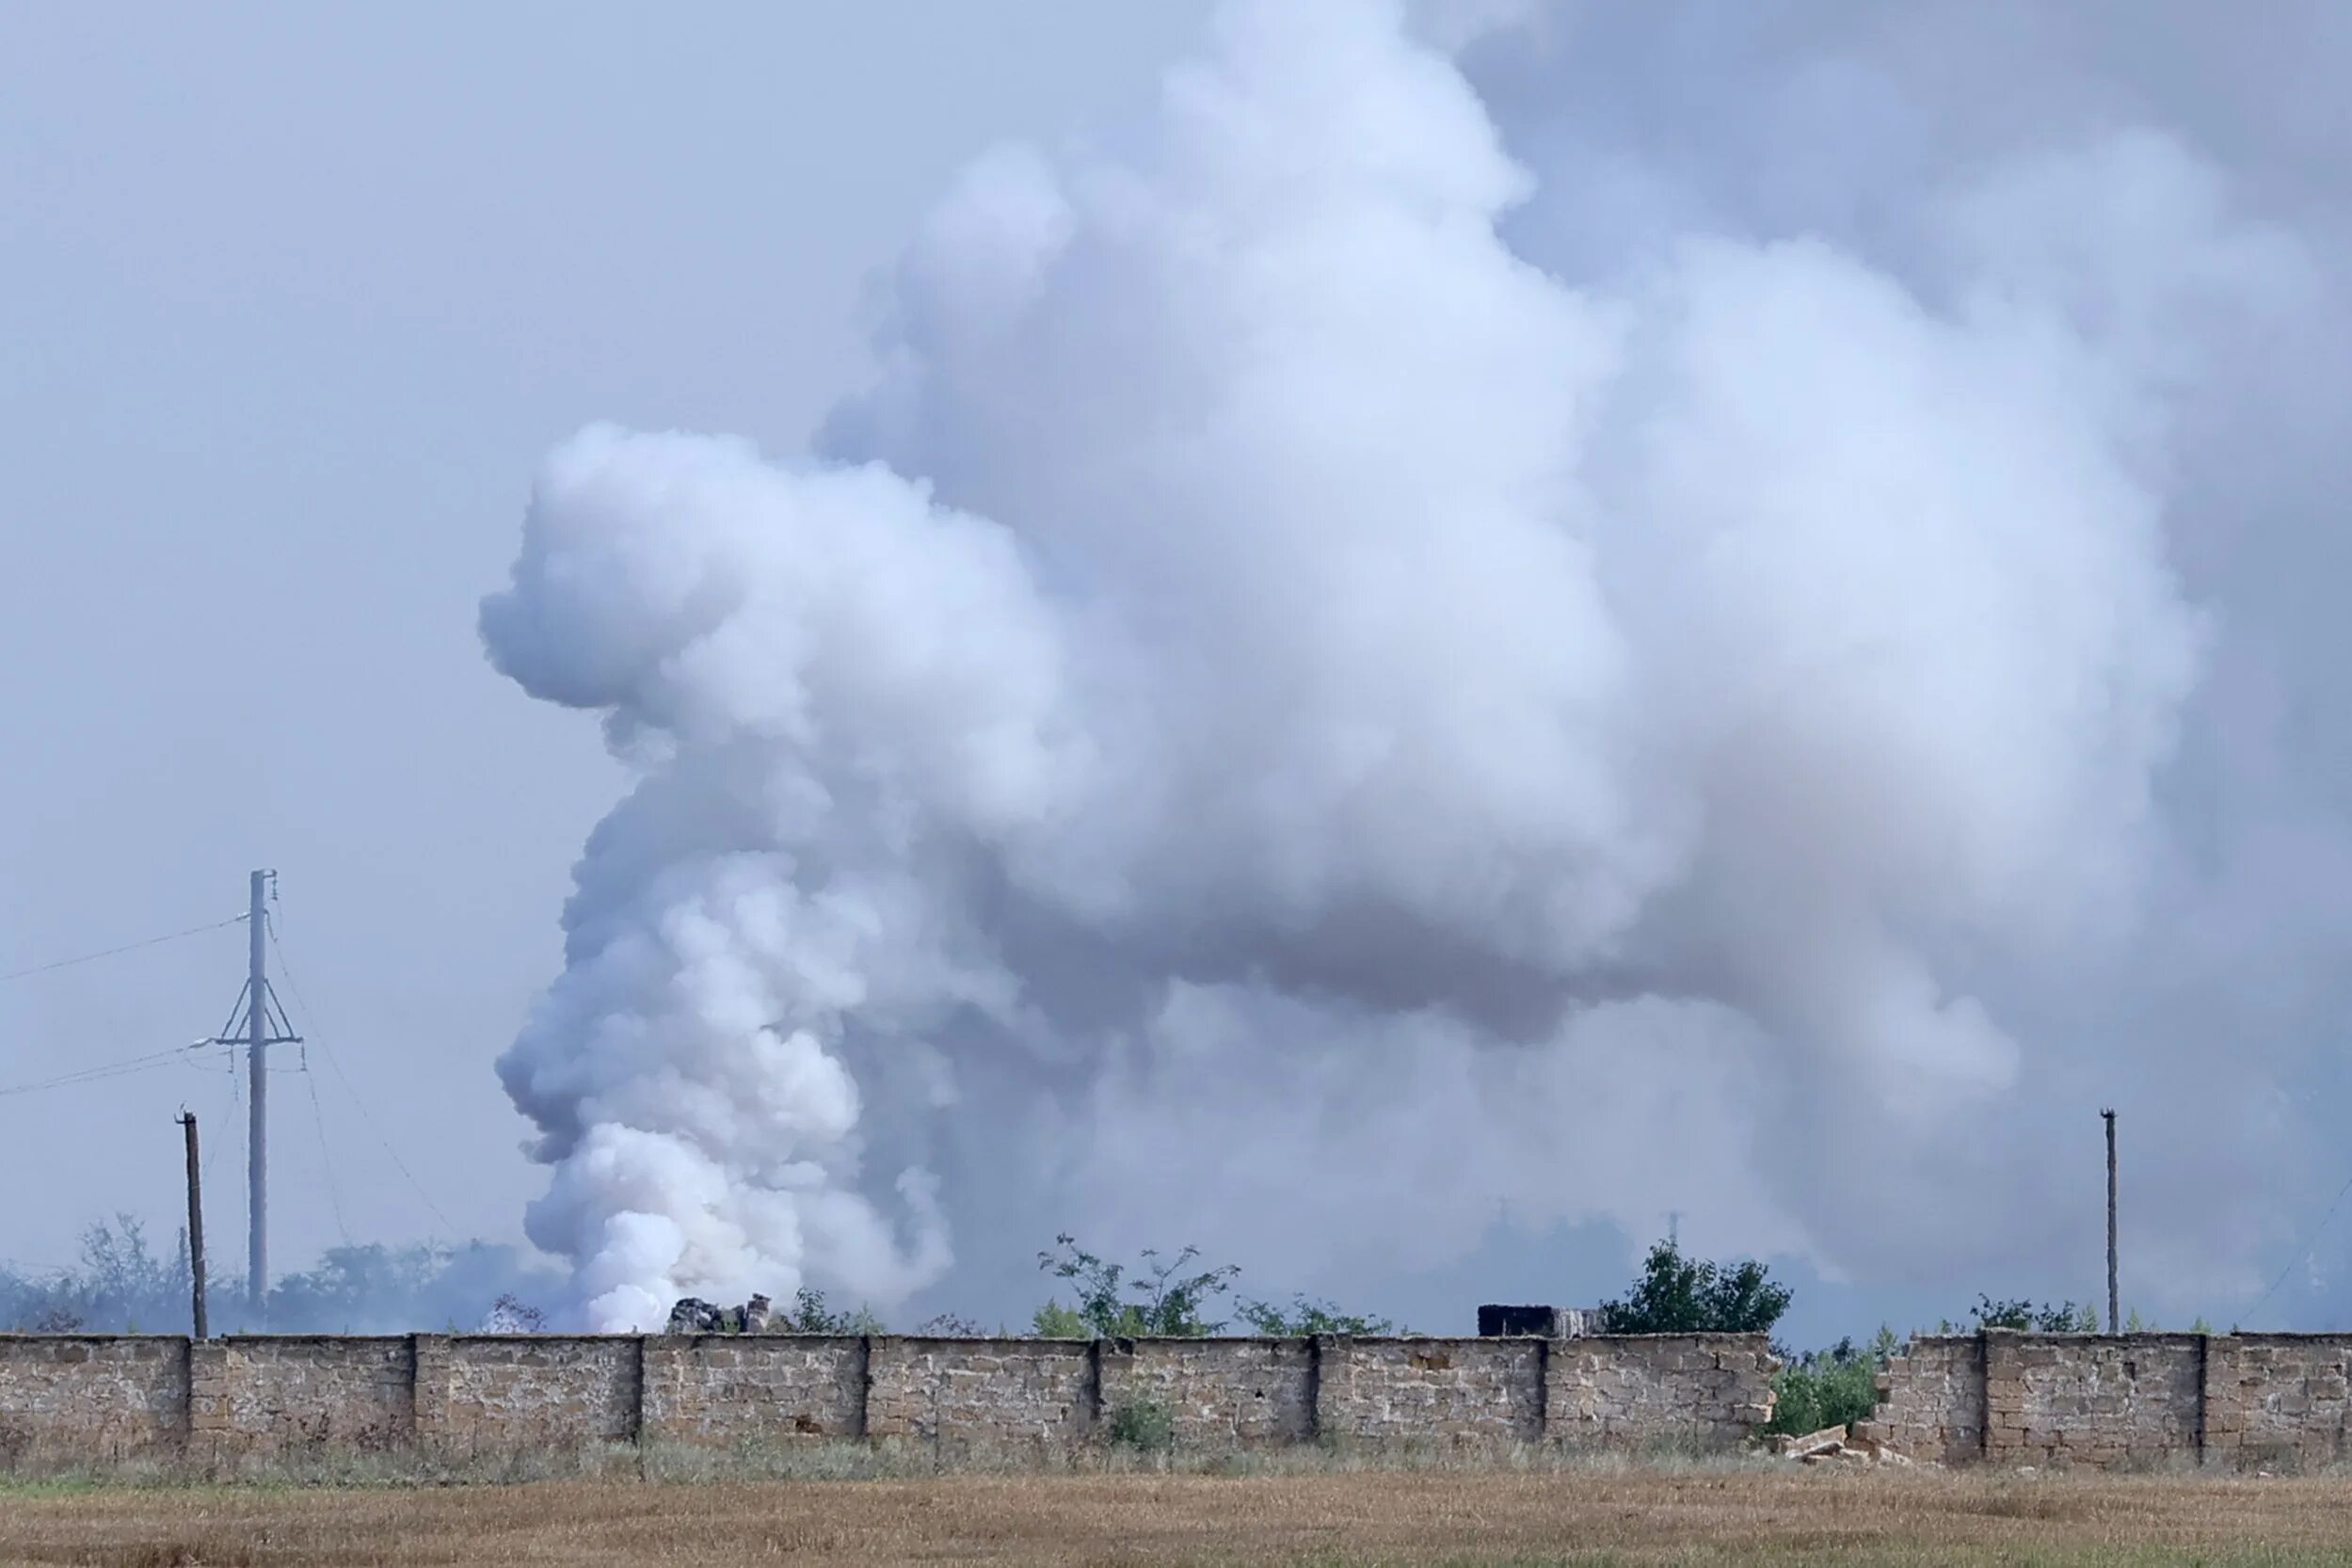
326 1160
334 1062
105 1070
127 947
2305 1251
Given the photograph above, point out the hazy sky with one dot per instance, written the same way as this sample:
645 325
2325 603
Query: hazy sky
294 301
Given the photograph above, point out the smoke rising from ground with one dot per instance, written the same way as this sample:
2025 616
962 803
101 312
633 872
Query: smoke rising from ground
1387 645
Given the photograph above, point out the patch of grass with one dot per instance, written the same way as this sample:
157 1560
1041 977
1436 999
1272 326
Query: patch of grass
1496 1517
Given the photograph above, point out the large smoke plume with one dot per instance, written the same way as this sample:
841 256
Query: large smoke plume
1387 627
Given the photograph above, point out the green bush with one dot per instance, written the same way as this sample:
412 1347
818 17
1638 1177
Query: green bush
2065 1318
1305 1317
1830 1388
1143 1425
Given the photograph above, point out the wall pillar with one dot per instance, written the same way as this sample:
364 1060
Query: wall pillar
1544 1388
210 1418
431 1375
1328 1386
2005 1395
664 1398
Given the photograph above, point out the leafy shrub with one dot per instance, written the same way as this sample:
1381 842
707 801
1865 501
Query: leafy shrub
810 1315
1830 1388
2065 1318
1143 1425
1055 1321
1305 1318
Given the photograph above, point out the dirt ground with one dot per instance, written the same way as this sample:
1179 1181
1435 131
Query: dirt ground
1348 1519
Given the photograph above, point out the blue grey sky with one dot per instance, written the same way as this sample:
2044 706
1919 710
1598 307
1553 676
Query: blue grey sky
295 300
292 298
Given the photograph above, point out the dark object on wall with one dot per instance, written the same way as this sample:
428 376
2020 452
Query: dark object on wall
1542 1322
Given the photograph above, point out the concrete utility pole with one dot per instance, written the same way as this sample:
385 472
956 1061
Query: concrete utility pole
264 1027
2115 1318
196 1224
256 1070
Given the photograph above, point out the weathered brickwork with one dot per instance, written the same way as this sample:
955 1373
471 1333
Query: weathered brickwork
1249 1393
729 1388
511 1391
2277 1401
90 1398
259 1392
993 1394
70 1396
1459 1391
2074 1399
2122 1401
1707 1391
1931 1400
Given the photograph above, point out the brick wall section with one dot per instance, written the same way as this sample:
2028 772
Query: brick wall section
729 1388
255 1393
982 1394
2268 1401
494 1392
1457 1391
2103 1403
1931 1400
1705 1391
65 1398
2278 1401
94 1397
1250 1393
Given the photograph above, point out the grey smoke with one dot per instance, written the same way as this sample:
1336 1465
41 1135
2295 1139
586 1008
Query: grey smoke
1582 619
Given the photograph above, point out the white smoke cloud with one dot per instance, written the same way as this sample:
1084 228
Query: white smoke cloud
1270 680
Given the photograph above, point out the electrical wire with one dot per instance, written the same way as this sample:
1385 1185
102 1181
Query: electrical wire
449 1232
326 1160
127 947
103 1071
2305 1251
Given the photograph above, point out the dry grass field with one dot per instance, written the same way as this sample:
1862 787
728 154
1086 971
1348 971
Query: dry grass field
1697 1518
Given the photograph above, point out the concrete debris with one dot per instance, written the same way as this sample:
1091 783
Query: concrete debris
1837 1446
692 1314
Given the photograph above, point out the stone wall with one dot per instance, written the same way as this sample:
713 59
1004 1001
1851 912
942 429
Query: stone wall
97 1397
1931 1400
260 1393
2277 1401
730 1388
2120 1400
68 1396
982 1394
1463 1392
1239 1393
1700 1390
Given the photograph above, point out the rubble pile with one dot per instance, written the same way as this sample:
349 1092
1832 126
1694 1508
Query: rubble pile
1835 1446
692 1314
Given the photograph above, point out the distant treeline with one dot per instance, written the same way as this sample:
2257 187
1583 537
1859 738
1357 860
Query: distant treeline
124 1284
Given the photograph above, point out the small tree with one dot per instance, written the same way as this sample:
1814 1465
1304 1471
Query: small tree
1305 1318
1161 1299
1687 1295
2026 1317
810 1315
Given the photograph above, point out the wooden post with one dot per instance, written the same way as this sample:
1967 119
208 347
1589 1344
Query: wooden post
196 1224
